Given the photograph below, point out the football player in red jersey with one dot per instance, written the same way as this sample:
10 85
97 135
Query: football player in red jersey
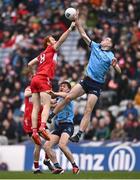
27 124
41 82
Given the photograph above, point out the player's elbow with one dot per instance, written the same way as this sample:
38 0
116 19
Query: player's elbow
67 99
118 69
29 64
83 35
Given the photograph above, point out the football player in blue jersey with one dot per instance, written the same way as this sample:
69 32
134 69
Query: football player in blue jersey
100 60
63 130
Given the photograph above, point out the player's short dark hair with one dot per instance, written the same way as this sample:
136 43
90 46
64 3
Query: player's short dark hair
66 82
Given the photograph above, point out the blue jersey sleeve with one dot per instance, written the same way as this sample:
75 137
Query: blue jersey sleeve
111 57
93 44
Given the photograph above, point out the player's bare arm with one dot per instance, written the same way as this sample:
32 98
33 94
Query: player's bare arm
59 94
116 66
33 62
82 31
64 36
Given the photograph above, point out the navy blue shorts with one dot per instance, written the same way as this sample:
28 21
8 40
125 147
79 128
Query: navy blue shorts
90 86
64 127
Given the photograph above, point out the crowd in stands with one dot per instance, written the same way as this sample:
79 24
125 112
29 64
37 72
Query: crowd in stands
24 24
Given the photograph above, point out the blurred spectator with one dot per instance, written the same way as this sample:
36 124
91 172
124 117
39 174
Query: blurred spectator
135 136
9 128
102 132
118 132
91 130
137 97
131 110
132 128
137 72
132 89
3 112
109 120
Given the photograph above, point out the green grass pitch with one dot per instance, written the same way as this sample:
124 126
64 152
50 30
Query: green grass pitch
69 175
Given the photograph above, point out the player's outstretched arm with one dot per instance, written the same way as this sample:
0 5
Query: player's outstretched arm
64 36
116 66
60 94
82 31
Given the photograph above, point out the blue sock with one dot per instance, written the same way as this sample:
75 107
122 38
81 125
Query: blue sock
57 165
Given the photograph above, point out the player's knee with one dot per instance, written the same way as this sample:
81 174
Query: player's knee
47 146
88 111
61 146
36 108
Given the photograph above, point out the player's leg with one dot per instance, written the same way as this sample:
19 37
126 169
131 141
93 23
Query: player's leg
91 101
64 148
75 92
45 101
36 108
47 162
54 139
36 159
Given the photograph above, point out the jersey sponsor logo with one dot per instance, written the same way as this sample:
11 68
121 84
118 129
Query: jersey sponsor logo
84 161
122 158
90 157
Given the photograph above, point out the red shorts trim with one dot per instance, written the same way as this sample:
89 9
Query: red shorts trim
40 84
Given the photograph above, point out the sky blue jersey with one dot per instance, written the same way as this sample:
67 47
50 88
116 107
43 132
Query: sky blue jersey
67 114
99 62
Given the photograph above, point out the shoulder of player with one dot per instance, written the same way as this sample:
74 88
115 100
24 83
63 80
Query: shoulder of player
50 48
111 54
94 44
